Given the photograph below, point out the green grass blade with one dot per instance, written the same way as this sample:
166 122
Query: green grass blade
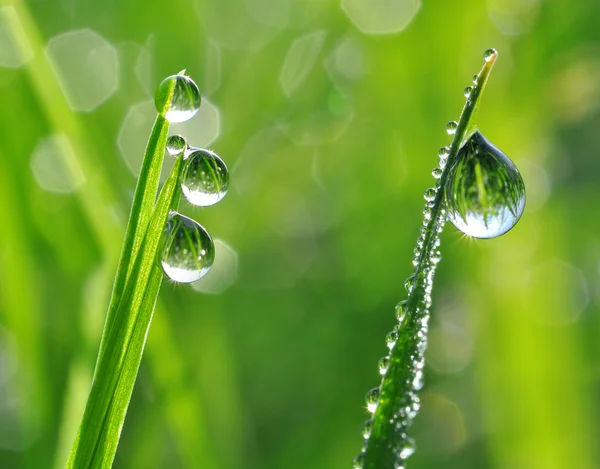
116 370
388 444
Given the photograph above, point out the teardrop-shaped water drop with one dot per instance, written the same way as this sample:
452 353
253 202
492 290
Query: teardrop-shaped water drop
488 54
409 283
205 178
430 194
468 91
372 399
383 365
444 152
475 78
176 144
485 194
359 461
366 429
177 98
391 338
401 309
451 127
188 251
437 173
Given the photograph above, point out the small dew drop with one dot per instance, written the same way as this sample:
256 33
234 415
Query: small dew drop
205 178
177 98
437 173
444 152
418 381
468 91
400 310
176 144
384 364
436 257
410 283
372 399
359 461
475 78
451 127
430 194
485 194
367 428
391 339
489 54
188 251
408 449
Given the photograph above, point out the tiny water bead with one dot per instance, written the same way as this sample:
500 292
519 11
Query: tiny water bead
408 449
359 461
391 338
489 54
188 251
383 365
409 283
367 428
451 127
205 178
176 144
444 152
484 192
475 78
468 91
400 310
372 399
177 98
437 173
430 194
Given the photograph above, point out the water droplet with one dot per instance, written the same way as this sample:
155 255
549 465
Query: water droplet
205 178
391 339
418 381
177 98
359 461
485 194
410 283
437 173
430 194
372 399
366 429
400 310
436 257
188 251
468 91
176 144
475 78
489 54
444 152
408 449
384 364
451 127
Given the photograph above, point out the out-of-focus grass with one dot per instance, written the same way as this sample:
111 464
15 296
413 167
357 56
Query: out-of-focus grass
322 251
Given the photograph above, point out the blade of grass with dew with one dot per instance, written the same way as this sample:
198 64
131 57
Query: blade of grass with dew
96 442
394 404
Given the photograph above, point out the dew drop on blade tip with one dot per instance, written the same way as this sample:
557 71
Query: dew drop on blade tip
205 178
177 98
484 191
489 54
188 250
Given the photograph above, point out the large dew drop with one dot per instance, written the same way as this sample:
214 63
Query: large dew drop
485 194
188 252
177 98
205 178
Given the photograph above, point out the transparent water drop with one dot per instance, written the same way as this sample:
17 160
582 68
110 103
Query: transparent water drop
205 178
409 283
488 54
401 309
176 144
436 257
391 338
188 251
372 399
468 91
444 152
418 381
367 428
383 365
177 98
437 173
430 194
408 449
475 78
359 461
451 127
485 194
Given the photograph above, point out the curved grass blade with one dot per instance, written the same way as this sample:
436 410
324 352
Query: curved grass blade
116 370
395 403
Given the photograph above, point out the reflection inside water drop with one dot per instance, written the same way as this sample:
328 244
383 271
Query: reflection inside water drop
177 98
485 194
205 178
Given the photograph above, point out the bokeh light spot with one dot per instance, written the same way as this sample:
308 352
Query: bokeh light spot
300 60
15 49
381 16
203 129
86 66
513 17
54 165
222 274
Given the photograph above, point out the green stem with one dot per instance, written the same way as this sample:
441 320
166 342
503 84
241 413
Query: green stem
387 443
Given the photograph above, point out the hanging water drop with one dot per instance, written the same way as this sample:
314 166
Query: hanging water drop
489 54
359 461
188 251
485 194
391 338
475 78
468 91
177 98
372 399
205 178
176 144
383 365
451 127
437 173
401 309
430 194
366 429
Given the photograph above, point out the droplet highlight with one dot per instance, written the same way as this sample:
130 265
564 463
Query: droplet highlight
484 192
177 98
205 178
188 251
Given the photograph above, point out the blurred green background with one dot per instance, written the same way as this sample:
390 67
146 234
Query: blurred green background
329 115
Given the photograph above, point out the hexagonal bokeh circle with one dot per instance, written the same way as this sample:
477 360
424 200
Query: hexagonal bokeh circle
86 66
381 16
54 165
